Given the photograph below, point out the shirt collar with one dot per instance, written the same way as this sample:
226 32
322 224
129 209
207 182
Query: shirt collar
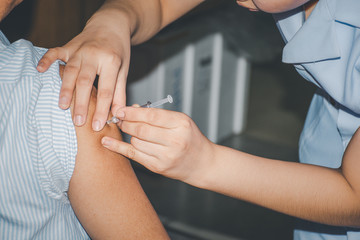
304 37
317 30
289 22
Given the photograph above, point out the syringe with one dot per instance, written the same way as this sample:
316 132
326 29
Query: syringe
149 104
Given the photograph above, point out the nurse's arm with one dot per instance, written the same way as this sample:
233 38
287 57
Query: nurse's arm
105 193
329 196
146 18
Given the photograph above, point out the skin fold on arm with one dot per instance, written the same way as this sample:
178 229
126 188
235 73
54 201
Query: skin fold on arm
105 193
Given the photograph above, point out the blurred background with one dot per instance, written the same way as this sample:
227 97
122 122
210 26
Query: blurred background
197 59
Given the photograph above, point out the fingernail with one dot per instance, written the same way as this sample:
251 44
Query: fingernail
78 120
63 102
105 142
40 66
120 114
96 125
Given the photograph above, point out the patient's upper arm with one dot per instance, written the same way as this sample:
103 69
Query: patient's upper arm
105 193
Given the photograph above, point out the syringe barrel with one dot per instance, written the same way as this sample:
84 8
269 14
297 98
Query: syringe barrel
162 101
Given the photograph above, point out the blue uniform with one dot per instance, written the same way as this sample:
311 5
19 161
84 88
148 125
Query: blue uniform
38 147
325 50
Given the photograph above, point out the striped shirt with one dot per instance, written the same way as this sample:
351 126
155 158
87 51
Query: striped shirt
38 147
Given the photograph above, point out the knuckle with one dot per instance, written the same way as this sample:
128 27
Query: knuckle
114 58
140 130
117 62
106 53
70 69
66 91
185 122
105 93
91 47
177 143
53 50
86 77
171 156
182 145
152 167
45 60
124 126
133 141
130 152
83 81
160 168
151 115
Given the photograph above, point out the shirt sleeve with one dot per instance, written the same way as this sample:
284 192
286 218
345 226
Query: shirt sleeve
54 134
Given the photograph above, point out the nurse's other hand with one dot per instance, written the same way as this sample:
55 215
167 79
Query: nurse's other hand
165 142
100 49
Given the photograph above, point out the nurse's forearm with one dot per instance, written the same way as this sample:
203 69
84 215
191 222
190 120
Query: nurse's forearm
144 18
305 191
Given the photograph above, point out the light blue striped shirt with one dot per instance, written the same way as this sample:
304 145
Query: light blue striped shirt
38 147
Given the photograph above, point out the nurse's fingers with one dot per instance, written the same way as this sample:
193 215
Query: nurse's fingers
119 100
107 80
84 83
146 132
71 72
51 56
152 149
130 151
66 91
153 116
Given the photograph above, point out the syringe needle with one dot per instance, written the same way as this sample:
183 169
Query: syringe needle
113 120
149 104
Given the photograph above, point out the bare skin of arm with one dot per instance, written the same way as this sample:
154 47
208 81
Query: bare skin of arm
315 193
105 193
146 18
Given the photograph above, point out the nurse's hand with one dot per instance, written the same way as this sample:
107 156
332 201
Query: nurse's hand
165 142
102 48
